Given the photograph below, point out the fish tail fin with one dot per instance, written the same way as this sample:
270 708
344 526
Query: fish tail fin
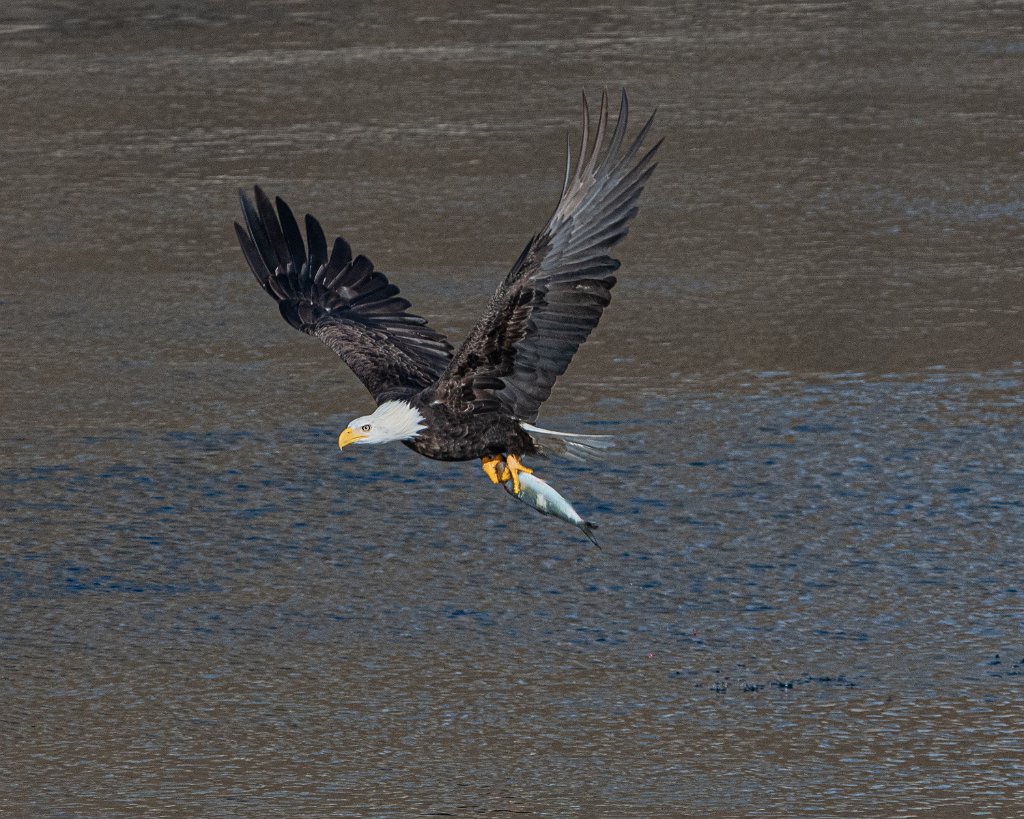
588 529
573 445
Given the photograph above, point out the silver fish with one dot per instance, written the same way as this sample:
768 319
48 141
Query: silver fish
536 492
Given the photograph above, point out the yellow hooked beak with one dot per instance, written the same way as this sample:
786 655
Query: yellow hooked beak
348 435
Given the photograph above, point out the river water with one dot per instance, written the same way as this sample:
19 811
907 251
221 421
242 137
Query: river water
810 596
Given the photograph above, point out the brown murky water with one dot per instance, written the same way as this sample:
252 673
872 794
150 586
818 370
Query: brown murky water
810 599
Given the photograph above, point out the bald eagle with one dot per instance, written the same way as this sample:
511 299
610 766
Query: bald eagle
481 400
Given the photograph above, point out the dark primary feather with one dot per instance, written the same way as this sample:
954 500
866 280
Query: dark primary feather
341 300
557 290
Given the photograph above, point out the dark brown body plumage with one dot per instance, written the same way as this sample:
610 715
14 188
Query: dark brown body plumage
462 436
473 399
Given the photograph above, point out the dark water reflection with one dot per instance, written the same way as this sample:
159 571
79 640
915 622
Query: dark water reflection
809 597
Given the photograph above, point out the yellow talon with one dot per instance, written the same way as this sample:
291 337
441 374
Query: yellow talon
490 465
513 466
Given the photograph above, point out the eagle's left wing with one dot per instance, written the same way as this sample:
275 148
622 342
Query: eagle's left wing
341 300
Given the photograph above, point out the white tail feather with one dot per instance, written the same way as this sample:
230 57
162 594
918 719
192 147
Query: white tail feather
571 444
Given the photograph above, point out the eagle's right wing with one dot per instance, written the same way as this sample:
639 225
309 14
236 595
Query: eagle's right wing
556 292
341 300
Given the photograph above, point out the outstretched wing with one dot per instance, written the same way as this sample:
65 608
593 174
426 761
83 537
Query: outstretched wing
341 300
556 292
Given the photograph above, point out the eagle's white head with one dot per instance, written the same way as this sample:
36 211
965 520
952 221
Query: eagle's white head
391 421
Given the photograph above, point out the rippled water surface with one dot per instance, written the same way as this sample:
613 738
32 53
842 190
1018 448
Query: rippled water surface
810 596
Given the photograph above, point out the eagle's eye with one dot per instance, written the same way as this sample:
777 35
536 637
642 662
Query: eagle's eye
366 427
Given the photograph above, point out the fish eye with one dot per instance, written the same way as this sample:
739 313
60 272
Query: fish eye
365 427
